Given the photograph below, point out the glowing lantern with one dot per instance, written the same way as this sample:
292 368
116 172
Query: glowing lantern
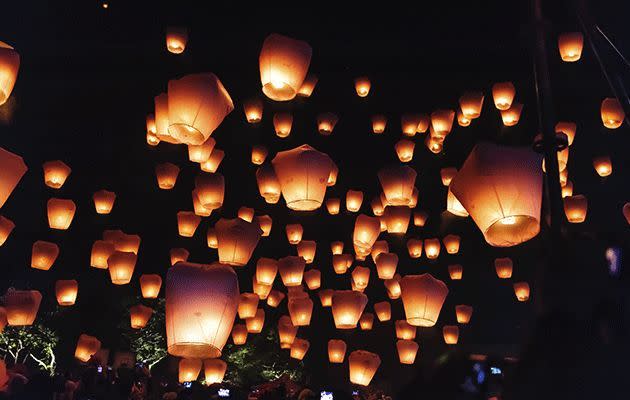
386 264
60 213
404 150
442 122
366 231
237 240
213 162
301 310
432 248
377 206
567 189
575 208
22 306
503 94
291 270
9 67
87 346
354 199
326 123
424 121
253 110
256 323
361 277
367 321
404 330
266 270
101 250
150 285
140 316
197 104
66 292
189 369
13 168
282 123
362 85
333 205
121 265
409 124
152 138
325 297
198 207
286 332
397 219
3 320
379 122
347 307
211 238
336 351
393 287
306 90
603 165
176 38
337 247
210 190
166 175
454 206
450 334
55 173
612 113
407 350
306 249
434 145
383 311
178 254
200 153
268 184
423 297
214 370
43 255
247 305
104 201
414 247
299 348
283 66
471 103
398 184
125 242
570 46
161 119
6 227
568 128
463 313
456 271
420 218
239 334
303 174
313 279
246 214
187 223
462 120
447 175
260 289
451 243
275 298
521 290
259 154
341 263
363 366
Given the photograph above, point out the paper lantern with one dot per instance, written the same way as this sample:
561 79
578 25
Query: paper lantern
237 240
363 366
409 124
512 115
87 346
198 208
121 265
214 370
602 165
299 348
570 46
424 122
247 305
213 162
379 123
150 285
354 199
3 319
454 206
286 332
366 231
21 306
60 213
434 145
125 242
341 262
361 277
101 250
256 323
301 310
246 214
166 175
377 206
501 188
470 104
386 264
325 297
161 119
187 223
451 243
282 123
200 153
266 270
393 287
404 330
104 201
450 334
275 298
423 297
336 351
294 233
253 110
239 334
291 270
398 184
333 205
268 184
442 122
362 86
463 313
13 168
43 255
337 247
210 190
178 254
383 311
414 247
152 138
521 290
211 238
176 38
56 173
568 128
306 90
326 123
66 292
462 120
260 289
503 94
259 154
140 316
366 321
447 175
347 307
197 104
189 369
407 350
575 208
307 249
397 219
283 66
612 113
404 150
420 218
432 248
9 67
455 271
313 279
6 227
303 174
567 189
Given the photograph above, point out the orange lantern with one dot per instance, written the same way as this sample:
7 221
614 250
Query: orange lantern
423 297
239 334
104 201
266 270
150 285
286 332
246 214
178 254
503 267
214 370
347 307
210 190
447 175
9 67
420 218
404 150
211 237
166 175
43 255
212 164
66 292
336 351
454 206
268 184
398 184
55 173
21 306
333 205
247 305
101 250
87 346
259 154
313 279
299 348
275 298
463 313
414 247
603 166
256 323
568 128
404 330
326 123
451 243
612 113
354 199
450 333
237 240
337 247
442 122
6 227
462 120
198 208
253 110
60 213
187 223
362 85
570 46
432 248
308 86
189 369
567 189
521 290
201 152
366 321
283 66
121 265
161 119
409 124
435 145
307 249
152 138
393 287
383 311
377 206
386 264
407 351
471 103
575 208
260 289
512 115
366 231
397 219
140 316
379 122
282 123
325 297
455 271
300 310
424 121
12 167
361 277
294 233
123 241
176 38
291 270
363 366
503 94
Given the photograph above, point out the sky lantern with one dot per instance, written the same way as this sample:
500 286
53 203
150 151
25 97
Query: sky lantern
404 330
266 270
442 122
463 313
211 238
187 223
393 288
377 206
301 310
247 305
284 64
104 201
189 369
246 214
383 311
43 255
447 174
451 243
121 265
299 347
256 323
512 115
454 206
212 164
501 187
397 219
337 246
407 351
125 242
282 123
139 316
60 213
101 250
366 231
347 307
253 110
214 370
424 122
333 205
178 254
166 174
291 270
361 277
567 189
503 94
521 290
9 67
354 199
275 298
341 262
268 184
152 138
575 208
470 104
398 184
21 306
362 86
307 87
161 119
332 178
602 165
326 123
420 218
307 249
210 190
237 240
239 334
570 46
66 291
450 334
568 128
313 279
462 120
455 271
294 233
303 174
13 168
197 104
87 346
423 297
150 285
176 38
409 124
626 211
261 289
201 303
434 145
432 248
6 227
336 351
612 113
404 149
363 366
259 154
56 173
198 208
414 247
366 321
386 264
286 332
325 297
201 152
379 123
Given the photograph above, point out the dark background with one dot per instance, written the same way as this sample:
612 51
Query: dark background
87 80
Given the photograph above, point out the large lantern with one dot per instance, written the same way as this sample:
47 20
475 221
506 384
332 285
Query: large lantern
283 66
286 332
121 265
398 184
197 104
166 175
6 227
176 38
450 333
43 255
299 347
463 313
104 201
9 67
60 213
291 270
503 94
139 316
612 113
347 307
363 366
300 310
407 350
268 184
521 290
87 346
21 306
150 285
12 167
56 173
237 240
266 270
307 249
256 323
454 206
575 208
214 370
253 110
503 267
501 188
336 351
101 250
423 297
570 46
282 123
383 311
66 292
189 369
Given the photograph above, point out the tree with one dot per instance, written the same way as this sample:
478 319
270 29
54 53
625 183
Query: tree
34 343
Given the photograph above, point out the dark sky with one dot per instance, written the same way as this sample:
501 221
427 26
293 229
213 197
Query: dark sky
88 77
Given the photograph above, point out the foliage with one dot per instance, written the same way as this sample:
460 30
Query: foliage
35 344
149 343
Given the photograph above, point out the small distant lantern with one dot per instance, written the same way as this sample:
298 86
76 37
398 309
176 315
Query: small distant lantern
189 369
55 173
201 152
101 250
211 238
450 334
463 313
377 206
104 201
521 290
9 65
432 248
259 154
239 334
455 271
291 270
420 218
325 297
266 270
247 305
503 94
333 205
336 351
568 128
210 190
260 289
404 149
140 316
434 145
306 90
397 219
301 310
87 346
361 277
409 124
121 265
150 285
447 175
602 165
423 297
512 115
214 370
363 366
187 223
612 113
176 38
255 324
442 122
354 199
326 123
383 311
386 264
307 249
282 123
570 46
379 123
404 330
246 214
313 279
470 104
268 184
286 332
575 208
424 121
407 351
347 307
60 213
125 242
366 321
6 227
299 348
294 233
275 298
166 175
178 254
66 292
43 255
284 64
237 240
337 247
21 306
253 110
393 288
451 243
212 164
362 85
